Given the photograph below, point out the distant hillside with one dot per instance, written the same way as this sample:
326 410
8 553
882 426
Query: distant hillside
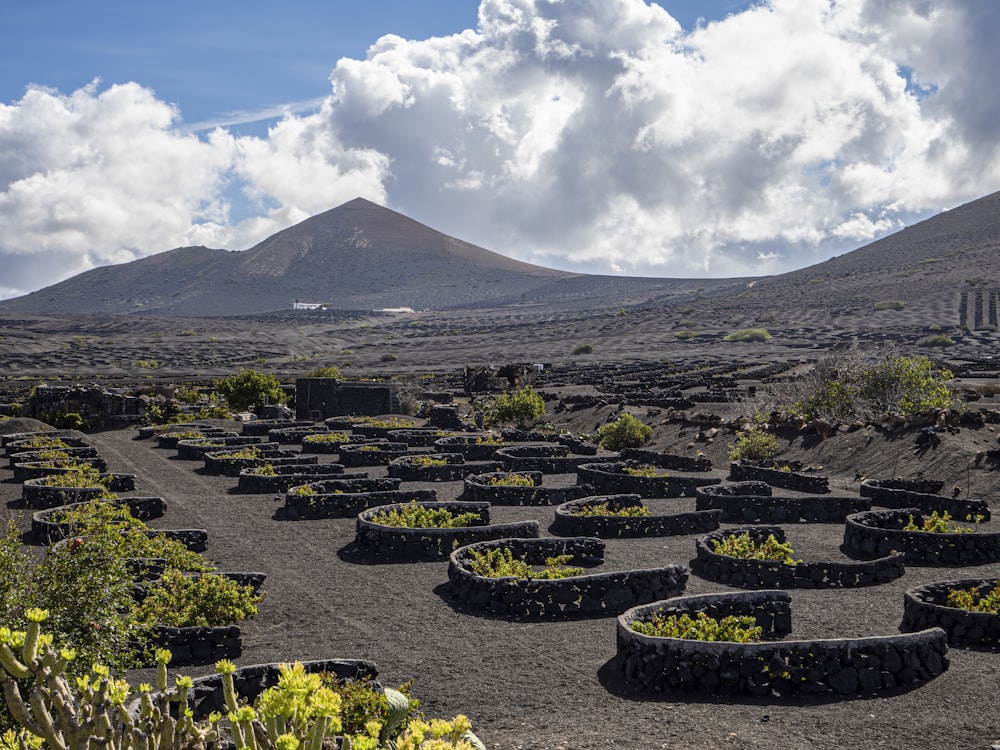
356 256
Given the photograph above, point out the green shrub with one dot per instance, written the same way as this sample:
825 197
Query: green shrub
603 509
520 405
754 444
207 600
701 627
939 339
745 548
941 524
970 600
748 334
626 432
890 304
583 349
512 479
414 516
249 390
499 562
646 470
324 372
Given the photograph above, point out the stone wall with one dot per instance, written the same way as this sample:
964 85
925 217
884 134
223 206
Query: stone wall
409 468
752 502
766 574
587 595
568 523
319 398
610 478
551 458
478 487
912 494
346 505
873 532
741 471
667 460
925 607
837 667
45 530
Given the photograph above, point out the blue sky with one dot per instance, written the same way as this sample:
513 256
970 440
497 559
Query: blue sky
712 138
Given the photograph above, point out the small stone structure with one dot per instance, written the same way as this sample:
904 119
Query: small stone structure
225 464
194 449
925 607
611 478
288 475
397 544
45 530
346 504
743 471
766 574
470 446
413 468
481 488
371 454
587 595
100 408
667 460
568 523
319 398
29 469
34 494
872 533
752 502
548 458
901 493
838 667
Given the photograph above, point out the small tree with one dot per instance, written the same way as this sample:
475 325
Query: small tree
625 432
754 444
249 389
520 405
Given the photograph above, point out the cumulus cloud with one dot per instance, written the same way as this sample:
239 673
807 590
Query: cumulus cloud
595 135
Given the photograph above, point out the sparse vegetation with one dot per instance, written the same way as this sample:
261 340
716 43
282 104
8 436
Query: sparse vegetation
511 480
939 339
499 562
701 627
890 304
520 405
972 601
415 516
583 349
603 509
744 547
748 334
685 334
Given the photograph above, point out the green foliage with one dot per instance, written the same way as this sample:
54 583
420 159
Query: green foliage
81 475
583 349
499 562
520 405
246 452
626 432
850 386
941 524
701 627
303 490
939 339
249 390
389 423
147 364
327 437
748 334
603 509
180 601
650 472
187 395
414 516
969 599
324 372
890 304
745 548
754 444
511 479
264 470
428 461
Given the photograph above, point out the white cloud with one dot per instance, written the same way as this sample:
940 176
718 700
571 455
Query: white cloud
593 134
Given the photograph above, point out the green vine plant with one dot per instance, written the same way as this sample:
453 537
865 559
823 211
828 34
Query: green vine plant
511 479
604 509
942 524
499 562
415 516
970 600
650 472
323 438
745 548
701 627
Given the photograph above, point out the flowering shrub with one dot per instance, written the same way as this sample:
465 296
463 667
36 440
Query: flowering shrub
701 627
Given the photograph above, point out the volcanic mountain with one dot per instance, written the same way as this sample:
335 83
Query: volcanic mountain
356 256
